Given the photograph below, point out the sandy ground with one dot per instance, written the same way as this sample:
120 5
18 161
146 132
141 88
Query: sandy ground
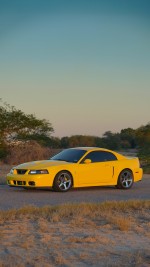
75 242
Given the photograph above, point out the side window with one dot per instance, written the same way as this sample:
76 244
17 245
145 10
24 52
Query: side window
100 156
110 156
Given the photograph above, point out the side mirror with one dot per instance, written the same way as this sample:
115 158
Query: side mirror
87 161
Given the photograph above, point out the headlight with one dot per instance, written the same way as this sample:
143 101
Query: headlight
38 172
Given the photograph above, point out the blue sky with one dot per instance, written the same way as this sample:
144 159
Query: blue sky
83 65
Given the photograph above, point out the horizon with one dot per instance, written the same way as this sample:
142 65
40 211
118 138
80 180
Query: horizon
83 66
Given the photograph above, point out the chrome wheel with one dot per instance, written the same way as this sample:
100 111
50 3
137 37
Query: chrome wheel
125 180
62 181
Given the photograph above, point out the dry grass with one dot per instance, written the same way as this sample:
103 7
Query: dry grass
28 151
109 210
24 153
107 234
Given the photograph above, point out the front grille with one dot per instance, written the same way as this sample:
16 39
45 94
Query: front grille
21 171
19 182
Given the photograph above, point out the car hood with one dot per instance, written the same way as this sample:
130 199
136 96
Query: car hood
41 164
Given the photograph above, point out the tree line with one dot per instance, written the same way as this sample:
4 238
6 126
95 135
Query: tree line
16 126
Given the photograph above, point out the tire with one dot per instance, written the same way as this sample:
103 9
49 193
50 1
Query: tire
63 182
125 179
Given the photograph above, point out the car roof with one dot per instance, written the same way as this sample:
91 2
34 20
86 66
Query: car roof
91 148
119 156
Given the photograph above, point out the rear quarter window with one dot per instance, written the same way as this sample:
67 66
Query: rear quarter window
100 156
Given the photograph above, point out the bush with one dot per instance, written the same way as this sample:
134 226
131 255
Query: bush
28 151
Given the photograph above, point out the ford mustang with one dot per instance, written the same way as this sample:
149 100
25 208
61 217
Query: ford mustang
78 167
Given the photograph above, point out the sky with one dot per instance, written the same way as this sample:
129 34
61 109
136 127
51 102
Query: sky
84 65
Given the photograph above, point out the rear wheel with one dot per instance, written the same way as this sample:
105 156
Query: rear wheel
63 181
125 179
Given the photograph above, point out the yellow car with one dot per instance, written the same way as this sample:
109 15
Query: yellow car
78 167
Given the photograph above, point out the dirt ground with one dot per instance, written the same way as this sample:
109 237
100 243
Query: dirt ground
109 239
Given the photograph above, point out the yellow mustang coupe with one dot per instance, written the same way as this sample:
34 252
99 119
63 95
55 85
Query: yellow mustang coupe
78 167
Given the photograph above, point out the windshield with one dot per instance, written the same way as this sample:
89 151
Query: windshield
69 155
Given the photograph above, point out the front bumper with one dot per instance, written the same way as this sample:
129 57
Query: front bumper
29 180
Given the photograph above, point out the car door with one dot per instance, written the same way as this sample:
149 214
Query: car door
99 171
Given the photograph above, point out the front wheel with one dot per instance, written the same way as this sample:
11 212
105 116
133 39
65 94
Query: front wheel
63 181
125 179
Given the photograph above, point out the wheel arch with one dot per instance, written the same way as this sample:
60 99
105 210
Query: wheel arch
119 182
124 170
64 171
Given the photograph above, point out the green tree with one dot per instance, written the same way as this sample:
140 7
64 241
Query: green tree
16 125
143 135
128 138
112 140
100 142
64 142
81 140
143 141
